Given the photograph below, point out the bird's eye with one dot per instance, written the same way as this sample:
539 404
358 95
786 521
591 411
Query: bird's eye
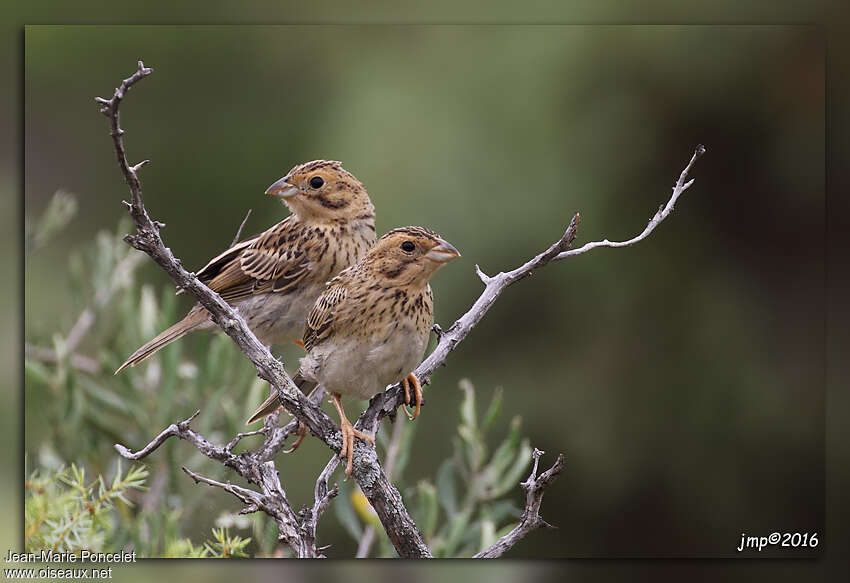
316 182
408 246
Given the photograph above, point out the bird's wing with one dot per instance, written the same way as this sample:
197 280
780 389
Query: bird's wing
272 261
221 261
321 317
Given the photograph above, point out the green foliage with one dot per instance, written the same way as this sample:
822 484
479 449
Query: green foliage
59 212
224 545
64 513
470 485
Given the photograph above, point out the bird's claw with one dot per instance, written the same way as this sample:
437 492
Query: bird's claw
406 383
348 435
302 431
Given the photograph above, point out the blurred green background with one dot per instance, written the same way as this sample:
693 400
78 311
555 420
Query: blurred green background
683 378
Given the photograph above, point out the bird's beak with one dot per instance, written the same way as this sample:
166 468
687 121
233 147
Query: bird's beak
443 252
282 189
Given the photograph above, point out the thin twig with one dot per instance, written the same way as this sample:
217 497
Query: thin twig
240 436
276 506
534 487
180 430
322 496
663 212
239 231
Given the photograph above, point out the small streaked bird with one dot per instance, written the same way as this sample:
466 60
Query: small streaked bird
370 326
274 278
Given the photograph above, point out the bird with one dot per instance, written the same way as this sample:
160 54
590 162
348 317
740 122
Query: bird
370 326
274 278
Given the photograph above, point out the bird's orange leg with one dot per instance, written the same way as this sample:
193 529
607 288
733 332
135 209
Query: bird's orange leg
302 431
406 382
348 434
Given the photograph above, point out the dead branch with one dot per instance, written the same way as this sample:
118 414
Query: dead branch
534 487
393 449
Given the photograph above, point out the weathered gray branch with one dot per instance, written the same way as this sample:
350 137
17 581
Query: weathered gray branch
681 186
534 487
381 493
271 499
393 450
323 494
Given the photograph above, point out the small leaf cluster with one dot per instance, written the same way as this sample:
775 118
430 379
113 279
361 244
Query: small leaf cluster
471 485
65 513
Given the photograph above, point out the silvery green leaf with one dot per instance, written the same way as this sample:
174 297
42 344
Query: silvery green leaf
446 491
512 478
467 405
346 515
488 534
493 410
457 528
427 508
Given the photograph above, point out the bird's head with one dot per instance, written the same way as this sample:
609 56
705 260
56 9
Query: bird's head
410 255
323 191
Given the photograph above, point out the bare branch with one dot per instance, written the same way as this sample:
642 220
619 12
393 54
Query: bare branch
323 495
393 450
663 212
247 496
240 436
534 487
277 506
277 435
272 500
180 430
381 493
